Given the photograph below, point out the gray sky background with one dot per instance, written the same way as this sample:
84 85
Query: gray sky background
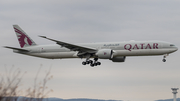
74 21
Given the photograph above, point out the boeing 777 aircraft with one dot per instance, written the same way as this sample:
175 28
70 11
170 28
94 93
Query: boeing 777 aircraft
114 51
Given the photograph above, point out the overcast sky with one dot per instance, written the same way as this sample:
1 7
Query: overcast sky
80 21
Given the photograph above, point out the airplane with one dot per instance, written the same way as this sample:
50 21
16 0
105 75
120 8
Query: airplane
114 51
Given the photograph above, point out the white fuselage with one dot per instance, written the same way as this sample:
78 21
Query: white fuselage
130 48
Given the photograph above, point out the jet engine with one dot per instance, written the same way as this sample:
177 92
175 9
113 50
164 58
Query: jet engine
105 53
118 59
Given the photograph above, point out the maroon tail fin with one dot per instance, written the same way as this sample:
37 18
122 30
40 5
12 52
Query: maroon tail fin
23 38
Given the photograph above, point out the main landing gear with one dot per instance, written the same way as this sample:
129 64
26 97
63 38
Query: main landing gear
164 57
92 64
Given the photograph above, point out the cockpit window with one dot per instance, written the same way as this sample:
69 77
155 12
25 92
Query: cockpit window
172 45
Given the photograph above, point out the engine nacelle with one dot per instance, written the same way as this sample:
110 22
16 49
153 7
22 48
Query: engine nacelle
118 59
105 54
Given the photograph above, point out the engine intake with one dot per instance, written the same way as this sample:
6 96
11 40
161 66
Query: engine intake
118 59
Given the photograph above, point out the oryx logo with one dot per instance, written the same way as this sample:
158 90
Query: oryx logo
105 53
22 38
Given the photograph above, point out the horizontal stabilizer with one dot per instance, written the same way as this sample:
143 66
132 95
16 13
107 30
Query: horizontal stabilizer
19 49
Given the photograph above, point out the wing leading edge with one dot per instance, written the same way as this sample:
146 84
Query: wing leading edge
73 47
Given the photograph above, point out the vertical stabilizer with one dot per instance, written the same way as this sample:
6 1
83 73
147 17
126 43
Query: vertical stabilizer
23 38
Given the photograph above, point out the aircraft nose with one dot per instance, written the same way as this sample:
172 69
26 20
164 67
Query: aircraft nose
176 49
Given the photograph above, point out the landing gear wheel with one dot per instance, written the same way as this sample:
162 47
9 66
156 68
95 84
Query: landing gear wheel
164 60
95 64
84 63
92 65
90 61
98 63
87 62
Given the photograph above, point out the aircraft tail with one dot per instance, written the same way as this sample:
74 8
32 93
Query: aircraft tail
23 38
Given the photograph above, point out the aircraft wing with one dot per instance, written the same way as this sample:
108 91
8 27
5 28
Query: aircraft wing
73 47
19 49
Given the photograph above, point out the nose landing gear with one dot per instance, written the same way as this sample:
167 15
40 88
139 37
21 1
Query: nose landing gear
164 57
